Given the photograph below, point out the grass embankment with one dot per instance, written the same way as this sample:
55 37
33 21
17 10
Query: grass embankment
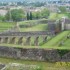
5 26
54 41
38 25
56 16
67 43
28 22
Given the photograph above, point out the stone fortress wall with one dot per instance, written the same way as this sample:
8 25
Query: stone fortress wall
10 37
65 24
32 53
51 55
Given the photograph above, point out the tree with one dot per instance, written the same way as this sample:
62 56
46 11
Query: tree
2 18
62 9
36 15
7 16
45 13
16 15
30 15
68 14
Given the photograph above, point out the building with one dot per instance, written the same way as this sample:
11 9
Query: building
3 12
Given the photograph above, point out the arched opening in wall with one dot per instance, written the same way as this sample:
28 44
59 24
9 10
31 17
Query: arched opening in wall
32 40
5 40
20 41
36 41
45 39
13 40
42 40
28 41
0 40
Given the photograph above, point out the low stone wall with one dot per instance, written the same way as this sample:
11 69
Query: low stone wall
39 54
67 26
8 52
51 55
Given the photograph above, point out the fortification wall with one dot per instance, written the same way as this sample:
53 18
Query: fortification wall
32 54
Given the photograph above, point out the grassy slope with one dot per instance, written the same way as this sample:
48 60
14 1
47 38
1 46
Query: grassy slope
56 16
67 43
52 43
40 27
6 25
31 21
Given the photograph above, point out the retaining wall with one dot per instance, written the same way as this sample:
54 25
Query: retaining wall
51 55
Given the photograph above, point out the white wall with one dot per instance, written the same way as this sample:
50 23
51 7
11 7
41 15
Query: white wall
67 26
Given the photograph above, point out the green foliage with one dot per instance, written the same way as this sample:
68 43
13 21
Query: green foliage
45 13
38 4
62 9
68 14
2 18
15 15
36 15
62 52
30 15
7 16
53 16
55 40
6 25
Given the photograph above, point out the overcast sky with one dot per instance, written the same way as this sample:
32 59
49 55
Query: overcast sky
22 0
26 0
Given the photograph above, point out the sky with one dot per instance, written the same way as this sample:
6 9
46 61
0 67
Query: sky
21 0
26 0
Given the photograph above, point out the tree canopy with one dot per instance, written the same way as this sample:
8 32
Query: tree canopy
15 15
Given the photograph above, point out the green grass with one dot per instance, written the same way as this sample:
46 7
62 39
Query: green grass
32 21
39 27
61 15
57 38
43 65
67 43
53 43
36 25
54 16
18 46
6 25
9 60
